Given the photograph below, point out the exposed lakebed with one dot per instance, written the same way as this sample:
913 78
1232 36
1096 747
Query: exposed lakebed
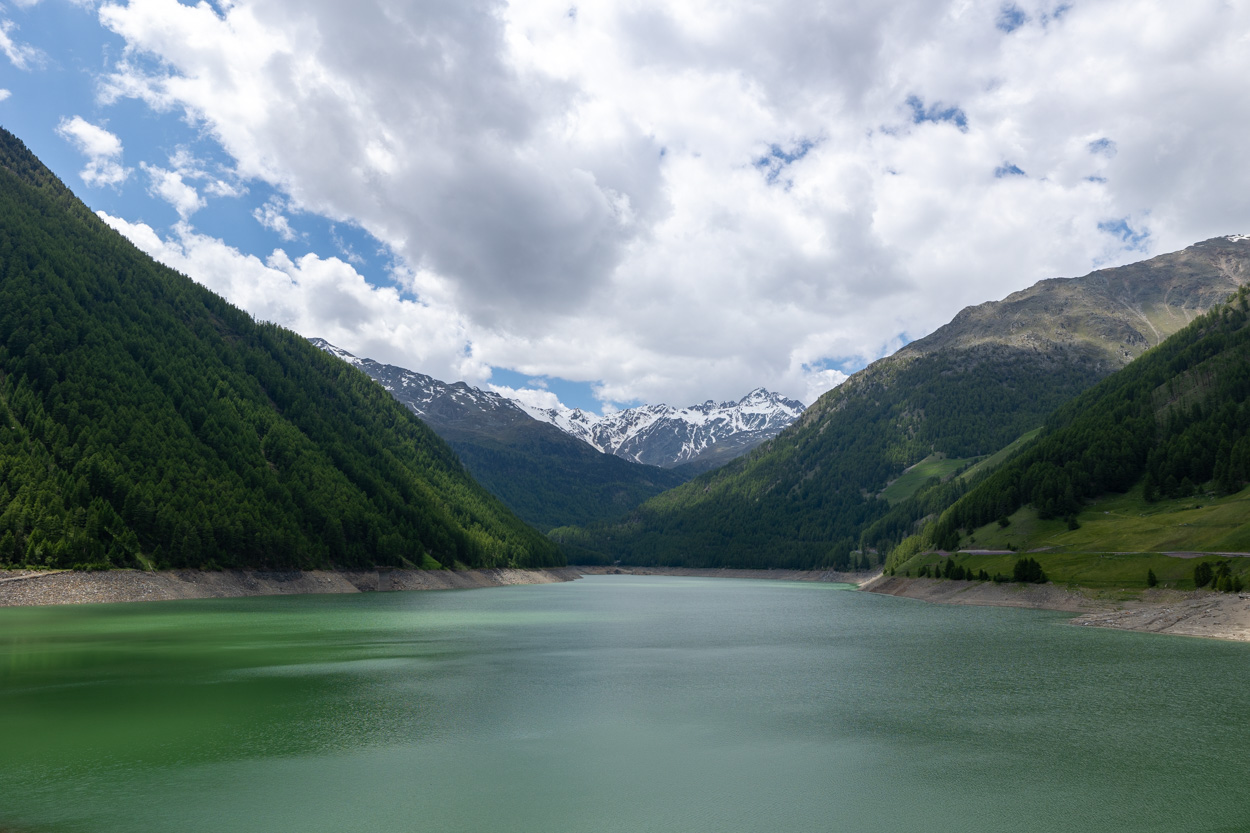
613 703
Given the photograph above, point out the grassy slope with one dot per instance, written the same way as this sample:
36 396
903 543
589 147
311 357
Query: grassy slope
910 481
1127 523
1101 571
943 468
1120 538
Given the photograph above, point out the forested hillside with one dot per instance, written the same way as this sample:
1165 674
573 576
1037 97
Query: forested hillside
996 372
146 421
1173 423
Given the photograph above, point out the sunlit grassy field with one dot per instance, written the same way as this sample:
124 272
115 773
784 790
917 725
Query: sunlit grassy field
1119 538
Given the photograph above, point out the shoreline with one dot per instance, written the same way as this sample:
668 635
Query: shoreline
1200 613
831 576
1197 613
21 588
25 588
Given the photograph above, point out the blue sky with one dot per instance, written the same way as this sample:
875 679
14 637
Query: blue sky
643 201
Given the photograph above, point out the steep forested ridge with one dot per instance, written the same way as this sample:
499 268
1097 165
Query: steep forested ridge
1173 421
994 373
144 419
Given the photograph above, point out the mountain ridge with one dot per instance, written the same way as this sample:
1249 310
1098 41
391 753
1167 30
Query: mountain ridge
991 375
701 436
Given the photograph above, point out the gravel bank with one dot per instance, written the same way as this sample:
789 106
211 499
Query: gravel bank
26 587
1184 613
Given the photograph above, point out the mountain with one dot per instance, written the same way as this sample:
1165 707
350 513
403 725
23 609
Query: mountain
700 437
1153 459
973 387
547 477
144 421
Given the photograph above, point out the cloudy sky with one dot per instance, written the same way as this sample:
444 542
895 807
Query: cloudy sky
632 201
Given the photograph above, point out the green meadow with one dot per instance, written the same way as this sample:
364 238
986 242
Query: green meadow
1118 539
910 481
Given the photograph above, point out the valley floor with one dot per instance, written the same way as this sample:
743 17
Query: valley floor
1184 613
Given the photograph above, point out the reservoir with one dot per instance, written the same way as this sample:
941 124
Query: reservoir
613 703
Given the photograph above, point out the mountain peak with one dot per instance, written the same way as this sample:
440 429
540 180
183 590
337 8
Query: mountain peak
706 435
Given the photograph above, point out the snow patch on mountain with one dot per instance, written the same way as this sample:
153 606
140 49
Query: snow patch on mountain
425 396
658 435
664 435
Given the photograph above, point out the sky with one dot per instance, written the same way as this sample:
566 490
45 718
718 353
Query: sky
627 201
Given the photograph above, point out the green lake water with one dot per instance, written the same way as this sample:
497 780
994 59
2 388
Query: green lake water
612 704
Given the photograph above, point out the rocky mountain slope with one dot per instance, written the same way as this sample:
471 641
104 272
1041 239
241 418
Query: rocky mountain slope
700 436
544 475
972 387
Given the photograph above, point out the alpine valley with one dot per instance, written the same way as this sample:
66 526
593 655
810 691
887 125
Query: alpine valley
549 478
146 422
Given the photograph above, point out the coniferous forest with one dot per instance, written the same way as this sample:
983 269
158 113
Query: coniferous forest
144 421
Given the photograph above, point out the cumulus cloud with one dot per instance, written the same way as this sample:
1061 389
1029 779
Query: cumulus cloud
4 94
271 217
534 399
170 187
682 201
318 297
102 149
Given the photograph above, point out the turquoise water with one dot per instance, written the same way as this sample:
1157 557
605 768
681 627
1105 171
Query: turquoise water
612 704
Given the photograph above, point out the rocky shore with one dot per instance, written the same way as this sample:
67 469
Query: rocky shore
29 587
1184 613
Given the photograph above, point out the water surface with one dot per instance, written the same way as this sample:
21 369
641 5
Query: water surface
614 703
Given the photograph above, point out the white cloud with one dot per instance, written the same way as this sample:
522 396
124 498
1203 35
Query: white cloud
170 186
21 55
102 149
271 217
4 94
534 399
318 297
682 201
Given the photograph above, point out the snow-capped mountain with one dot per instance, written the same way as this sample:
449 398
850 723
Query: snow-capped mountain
438 403
707 435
